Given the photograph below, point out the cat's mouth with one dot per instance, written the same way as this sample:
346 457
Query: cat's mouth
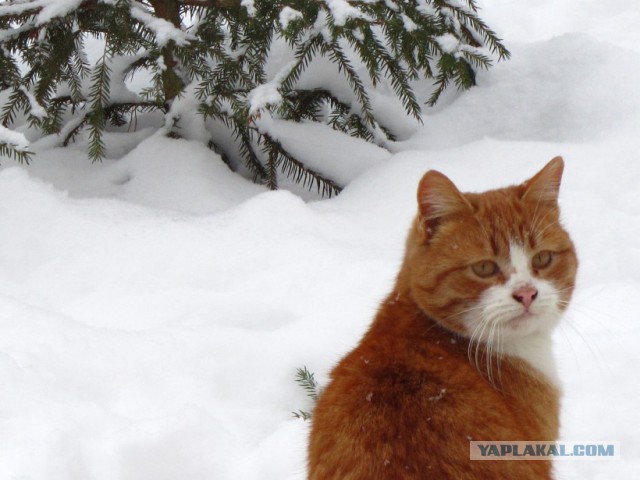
521 319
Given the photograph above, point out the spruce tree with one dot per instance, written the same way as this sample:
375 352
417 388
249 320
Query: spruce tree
216 52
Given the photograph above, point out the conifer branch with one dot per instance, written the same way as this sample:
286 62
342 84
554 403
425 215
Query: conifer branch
20 155
210 3
98 100
306 380
296 170
219 56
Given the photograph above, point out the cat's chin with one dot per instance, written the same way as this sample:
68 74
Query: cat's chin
512 324
527 323
521 321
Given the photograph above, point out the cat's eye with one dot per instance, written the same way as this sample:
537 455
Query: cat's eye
485 268
541 259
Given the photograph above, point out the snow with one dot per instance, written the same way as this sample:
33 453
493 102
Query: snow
448 43
268 93
409 25
163 30
155 307
287 15
49 9
250 6
392 5
54 9
342 10
425 8
11 137
36 110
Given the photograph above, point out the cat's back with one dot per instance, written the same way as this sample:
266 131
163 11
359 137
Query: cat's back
406 403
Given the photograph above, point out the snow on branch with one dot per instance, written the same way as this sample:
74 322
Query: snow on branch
269 93
47 9
14 139
342 10
163 30
14 144
37 110
250 6
288 15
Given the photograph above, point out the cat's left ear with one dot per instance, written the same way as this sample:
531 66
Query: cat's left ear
544 186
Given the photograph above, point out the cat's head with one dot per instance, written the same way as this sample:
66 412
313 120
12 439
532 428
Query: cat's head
480 263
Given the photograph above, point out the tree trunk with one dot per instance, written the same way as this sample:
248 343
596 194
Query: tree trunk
172 84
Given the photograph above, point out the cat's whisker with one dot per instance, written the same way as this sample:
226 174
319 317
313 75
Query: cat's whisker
567 340
595 352
576 307
589 313
534 220
473 339
540 232
495 351
488 345
571 322
564 289
491 342
538 222
479 344
486 339
500 350
480 328
535 224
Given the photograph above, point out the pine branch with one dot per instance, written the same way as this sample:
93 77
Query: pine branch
304 54
306 380
9 70
20 155
98 100
72 129
210 3
18 101
246 138
446 66
297 171
302 415
221 152
338 56
273 162
469 17
395 72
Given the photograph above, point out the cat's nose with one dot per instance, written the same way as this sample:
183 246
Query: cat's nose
525 295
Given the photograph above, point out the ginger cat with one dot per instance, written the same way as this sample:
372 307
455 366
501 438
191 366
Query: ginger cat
461 348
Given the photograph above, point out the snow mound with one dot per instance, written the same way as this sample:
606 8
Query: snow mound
570 88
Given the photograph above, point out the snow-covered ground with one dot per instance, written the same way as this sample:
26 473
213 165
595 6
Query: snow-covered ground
154 308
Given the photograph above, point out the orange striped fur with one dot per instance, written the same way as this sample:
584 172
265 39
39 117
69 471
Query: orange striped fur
454 355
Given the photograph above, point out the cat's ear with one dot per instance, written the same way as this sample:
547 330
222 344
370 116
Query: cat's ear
438 197
544 186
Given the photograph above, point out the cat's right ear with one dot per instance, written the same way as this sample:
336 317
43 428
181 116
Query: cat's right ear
438 198
545 185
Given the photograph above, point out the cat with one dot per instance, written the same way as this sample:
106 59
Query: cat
461 348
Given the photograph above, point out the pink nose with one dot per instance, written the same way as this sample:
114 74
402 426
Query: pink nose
525 295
